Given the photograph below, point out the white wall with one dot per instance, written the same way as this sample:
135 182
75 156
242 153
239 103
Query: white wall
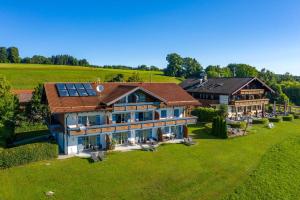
72 145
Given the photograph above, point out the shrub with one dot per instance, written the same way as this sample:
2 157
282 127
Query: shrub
27 153
260 121
275 119
240 125
205 114
288 118
296 116
219 127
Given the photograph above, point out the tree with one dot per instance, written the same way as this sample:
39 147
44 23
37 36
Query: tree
243 70
143 67
267 76
154 68
174 67
191 67
214 71
117 78
13 55
3 55
26 60
35 110
135 77
9 106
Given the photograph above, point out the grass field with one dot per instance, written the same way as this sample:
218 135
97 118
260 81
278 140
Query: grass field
27 76
277 176
211 169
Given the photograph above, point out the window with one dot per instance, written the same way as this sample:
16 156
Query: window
176 113
120 138
82 120
94 120
163 114
143 116
121 118
166 129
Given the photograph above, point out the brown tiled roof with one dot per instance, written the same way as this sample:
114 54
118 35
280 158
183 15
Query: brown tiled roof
171 93
24 96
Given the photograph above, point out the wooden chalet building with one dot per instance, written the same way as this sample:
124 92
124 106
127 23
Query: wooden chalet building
85 115
244 96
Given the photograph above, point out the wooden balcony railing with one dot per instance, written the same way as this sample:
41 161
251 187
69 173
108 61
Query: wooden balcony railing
108 128
135 106
252 102
252 91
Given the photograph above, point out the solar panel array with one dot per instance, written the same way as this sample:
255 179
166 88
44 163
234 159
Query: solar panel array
75 90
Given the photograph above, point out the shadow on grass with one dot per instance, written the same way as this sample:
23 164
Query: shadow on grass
31 134
201 131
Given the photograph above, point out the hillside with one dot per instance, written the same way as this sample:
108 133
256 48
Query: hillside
27 76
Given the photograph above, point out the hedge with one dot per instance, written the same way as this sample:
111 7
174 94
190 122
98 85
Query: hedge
205 114
240 125
27 153
260 121
288 118
275 119
296 116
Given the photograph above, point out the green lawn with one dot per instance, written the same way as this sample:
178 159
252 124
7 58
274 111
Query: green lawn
277 176
209 170
26 76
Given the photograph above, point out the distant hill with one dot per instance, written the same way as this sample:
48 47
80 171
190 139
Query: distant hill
27 76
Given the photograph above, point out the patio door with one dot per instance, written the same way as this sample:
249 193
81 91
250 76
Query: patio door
143 135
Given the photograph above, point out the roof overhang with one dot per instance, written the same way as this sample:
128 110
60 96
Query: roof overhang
253 79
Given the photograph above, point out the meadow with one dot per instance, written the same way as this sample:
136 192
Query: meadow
27 76
211 169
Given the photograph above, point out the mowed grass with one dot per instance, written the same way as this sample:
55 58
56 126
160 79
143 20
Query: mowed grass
277 176
27 76
209 170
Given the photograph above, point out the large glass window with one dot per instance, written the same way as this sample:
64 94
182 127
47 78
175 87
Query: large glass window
91 120
142 136
82 120
121 118
163 114
176 113
120 138
143 116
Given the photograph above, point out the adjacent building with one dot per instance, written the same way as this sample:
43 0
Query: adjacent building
244 96
84 115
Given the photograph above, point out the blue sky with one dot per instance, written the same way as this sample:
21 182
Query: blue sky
262 33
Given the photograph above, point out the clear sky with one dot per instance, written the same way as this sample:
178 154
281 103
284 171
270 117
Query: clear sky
262 33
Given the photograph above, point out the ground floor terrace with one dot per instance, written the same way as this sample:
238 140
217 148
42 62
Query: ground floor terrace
208 171
76 144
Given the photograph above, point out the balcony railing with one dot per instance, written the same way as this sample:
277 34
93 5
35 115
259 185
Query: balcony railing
135 106
252 102
107 128
252 91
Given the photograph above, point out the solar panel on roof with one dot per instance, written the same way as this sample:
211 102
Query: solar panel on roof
82 92
63 93
60 86
73 93
91 92
87 86
79 86
70 86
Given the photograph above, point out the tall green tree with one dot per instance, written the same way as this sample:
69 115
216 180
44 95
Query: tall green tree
9 107
191 67
13 55
174 67
243 70
3 55
35 110
214 71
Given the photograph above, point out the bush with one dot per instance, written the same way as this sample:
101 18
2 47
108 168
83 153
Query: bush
205 114
240 125
275 119
288 118
27 153
296 116
219 127
260 121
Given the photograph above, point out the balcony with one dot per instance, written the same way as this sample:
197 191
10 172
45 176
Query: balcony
252 91
135 106
107 128
252 102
